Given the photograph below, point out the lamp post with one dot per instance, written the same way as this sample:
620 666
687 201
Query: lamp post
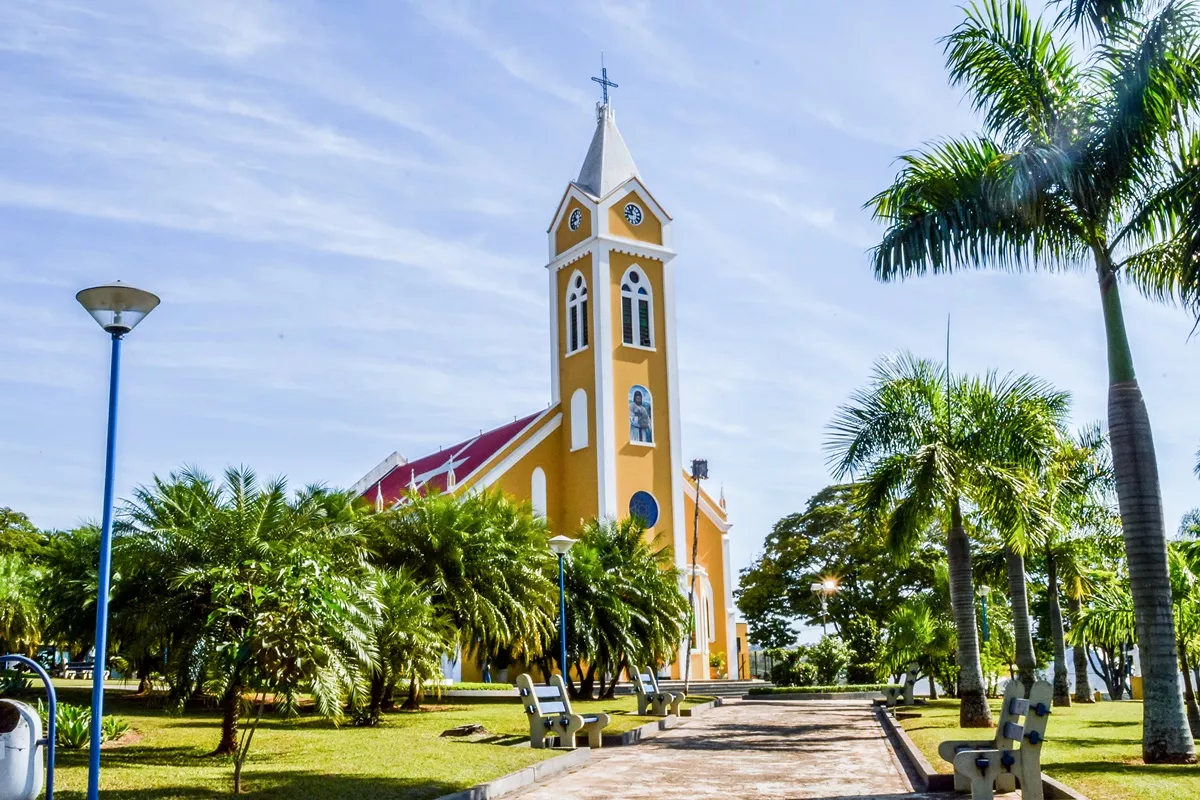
699 473
561 545
983 592
825 588
118 308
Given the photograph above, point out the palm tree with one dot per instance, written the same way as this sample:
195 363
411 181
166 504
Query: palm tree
624 607
255 589
411 639
926 445
1076 164
19 612
484 560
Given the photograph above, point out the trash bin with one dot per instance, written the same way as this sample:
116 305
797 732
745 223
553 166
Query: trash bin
21 767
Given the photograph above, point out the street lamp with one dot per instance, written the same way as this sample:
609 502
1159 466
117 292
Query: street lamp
983 592
561 545
118 308
825 588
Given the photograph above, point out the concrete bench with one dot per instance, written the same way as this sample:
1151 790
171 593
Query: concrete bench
1014 756
893 694
80 669
651 701
549 711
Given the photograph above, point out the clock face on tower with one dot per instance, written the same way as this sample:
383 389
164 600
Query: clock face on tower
576 218
633 214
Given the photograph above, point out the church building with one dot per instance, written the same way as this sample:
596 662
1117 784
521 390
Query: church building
609 444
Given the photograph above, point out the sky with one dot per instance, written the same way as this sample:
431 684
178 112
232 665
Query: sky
343 206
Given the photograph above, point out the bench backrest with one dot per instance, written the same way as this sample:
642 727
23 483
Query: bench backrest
644 681
543 701
1023 722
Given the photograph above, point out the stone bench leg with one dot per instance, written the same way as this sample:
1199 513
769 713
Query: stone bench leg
594 731
676 699
644 704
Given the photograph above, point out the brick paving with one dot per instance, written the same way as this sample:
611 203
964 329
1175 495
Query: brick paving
753 750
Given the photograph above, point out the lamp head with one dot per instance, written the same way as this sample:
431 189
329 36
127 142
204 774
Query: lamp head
829 585
561 544
117 307
700 469
982 590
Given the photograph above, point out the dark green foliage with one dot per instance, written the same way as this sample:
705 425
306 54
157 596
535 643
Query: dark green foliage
792 667
863 637
833 689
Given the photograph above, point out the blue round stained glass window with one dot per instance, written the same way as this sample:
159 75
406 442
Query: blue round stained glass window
644 506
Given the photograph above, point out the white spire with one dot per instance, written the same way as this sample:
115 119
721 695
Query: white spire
379 496
608 163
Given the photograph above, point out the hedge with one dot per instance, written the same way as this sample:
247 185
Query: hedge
477 687
854 687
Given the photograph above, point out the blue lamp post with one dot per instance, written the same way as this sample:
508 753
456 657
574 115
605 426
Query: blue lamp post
560 545
118 308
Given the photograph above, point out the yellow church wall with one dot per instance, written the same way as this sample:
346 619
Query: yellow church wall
564 237
649 231
577 479
639 466
710 556
517 481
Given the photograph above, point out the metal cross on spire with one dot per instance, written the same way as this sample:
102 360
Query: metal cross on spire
603 79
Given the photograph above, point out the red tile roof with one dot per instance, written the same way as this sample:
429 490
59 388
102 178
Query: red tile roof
433 470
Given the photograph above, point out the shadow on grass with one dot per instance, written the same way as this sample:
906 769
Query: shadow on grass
1122 769
290 785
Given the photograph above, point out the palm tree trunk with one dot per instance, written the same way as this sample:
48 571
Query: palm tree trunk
1083 684
973 711
1018 596
933 693
1062 689
1189 692
413 702
1166 737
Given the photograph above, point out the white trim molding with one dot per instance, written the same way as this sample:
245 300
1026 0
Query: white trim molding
606 420
381 471
722 525
509 461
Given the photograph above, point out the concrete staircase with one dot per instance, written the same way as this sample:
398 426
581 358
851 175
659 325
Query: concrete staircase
707 687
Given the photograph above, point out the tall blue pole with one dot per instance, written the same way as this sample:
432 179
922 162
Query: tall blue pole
105 577
562 619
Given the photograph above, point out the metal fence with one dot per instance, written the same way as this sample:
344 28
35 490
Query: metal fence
761 664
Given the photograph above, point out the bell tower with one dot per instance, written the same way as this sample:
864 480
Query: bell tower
612 322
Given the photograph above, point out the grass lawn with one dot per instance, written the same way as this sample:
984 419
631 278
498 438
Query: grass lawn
308 758
1095 748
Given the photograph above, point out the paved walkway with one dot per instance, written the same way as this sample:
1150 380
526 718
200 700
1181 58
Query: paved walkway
753 750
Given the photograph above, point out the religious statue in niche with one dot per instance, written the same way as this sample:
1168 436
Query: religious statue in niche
641 416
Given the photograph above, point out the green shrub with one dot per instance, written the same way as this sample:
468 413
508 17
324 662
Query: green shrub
74 724
112 728
834 689
792 668
830 656
13 682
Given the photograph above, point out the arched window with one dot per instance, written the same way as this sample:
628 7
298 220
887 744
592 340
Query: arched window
637 309
577 313
579 420
537 491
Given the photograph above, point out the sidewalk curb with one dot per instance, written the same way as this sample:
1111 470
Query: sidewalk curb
524 777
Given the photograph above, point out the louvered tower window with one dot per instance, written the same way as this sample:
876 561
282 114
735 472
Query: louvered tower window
637 309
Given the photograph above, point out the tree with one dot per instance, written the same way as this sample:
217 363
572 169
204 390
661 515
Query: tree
411 639
483 559
624 606
918 632
925 444
19 612
828 540
19 535
1076 164
266 595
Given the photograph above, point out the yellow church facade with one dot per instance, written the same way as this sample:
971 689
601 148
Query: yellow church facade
609 443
